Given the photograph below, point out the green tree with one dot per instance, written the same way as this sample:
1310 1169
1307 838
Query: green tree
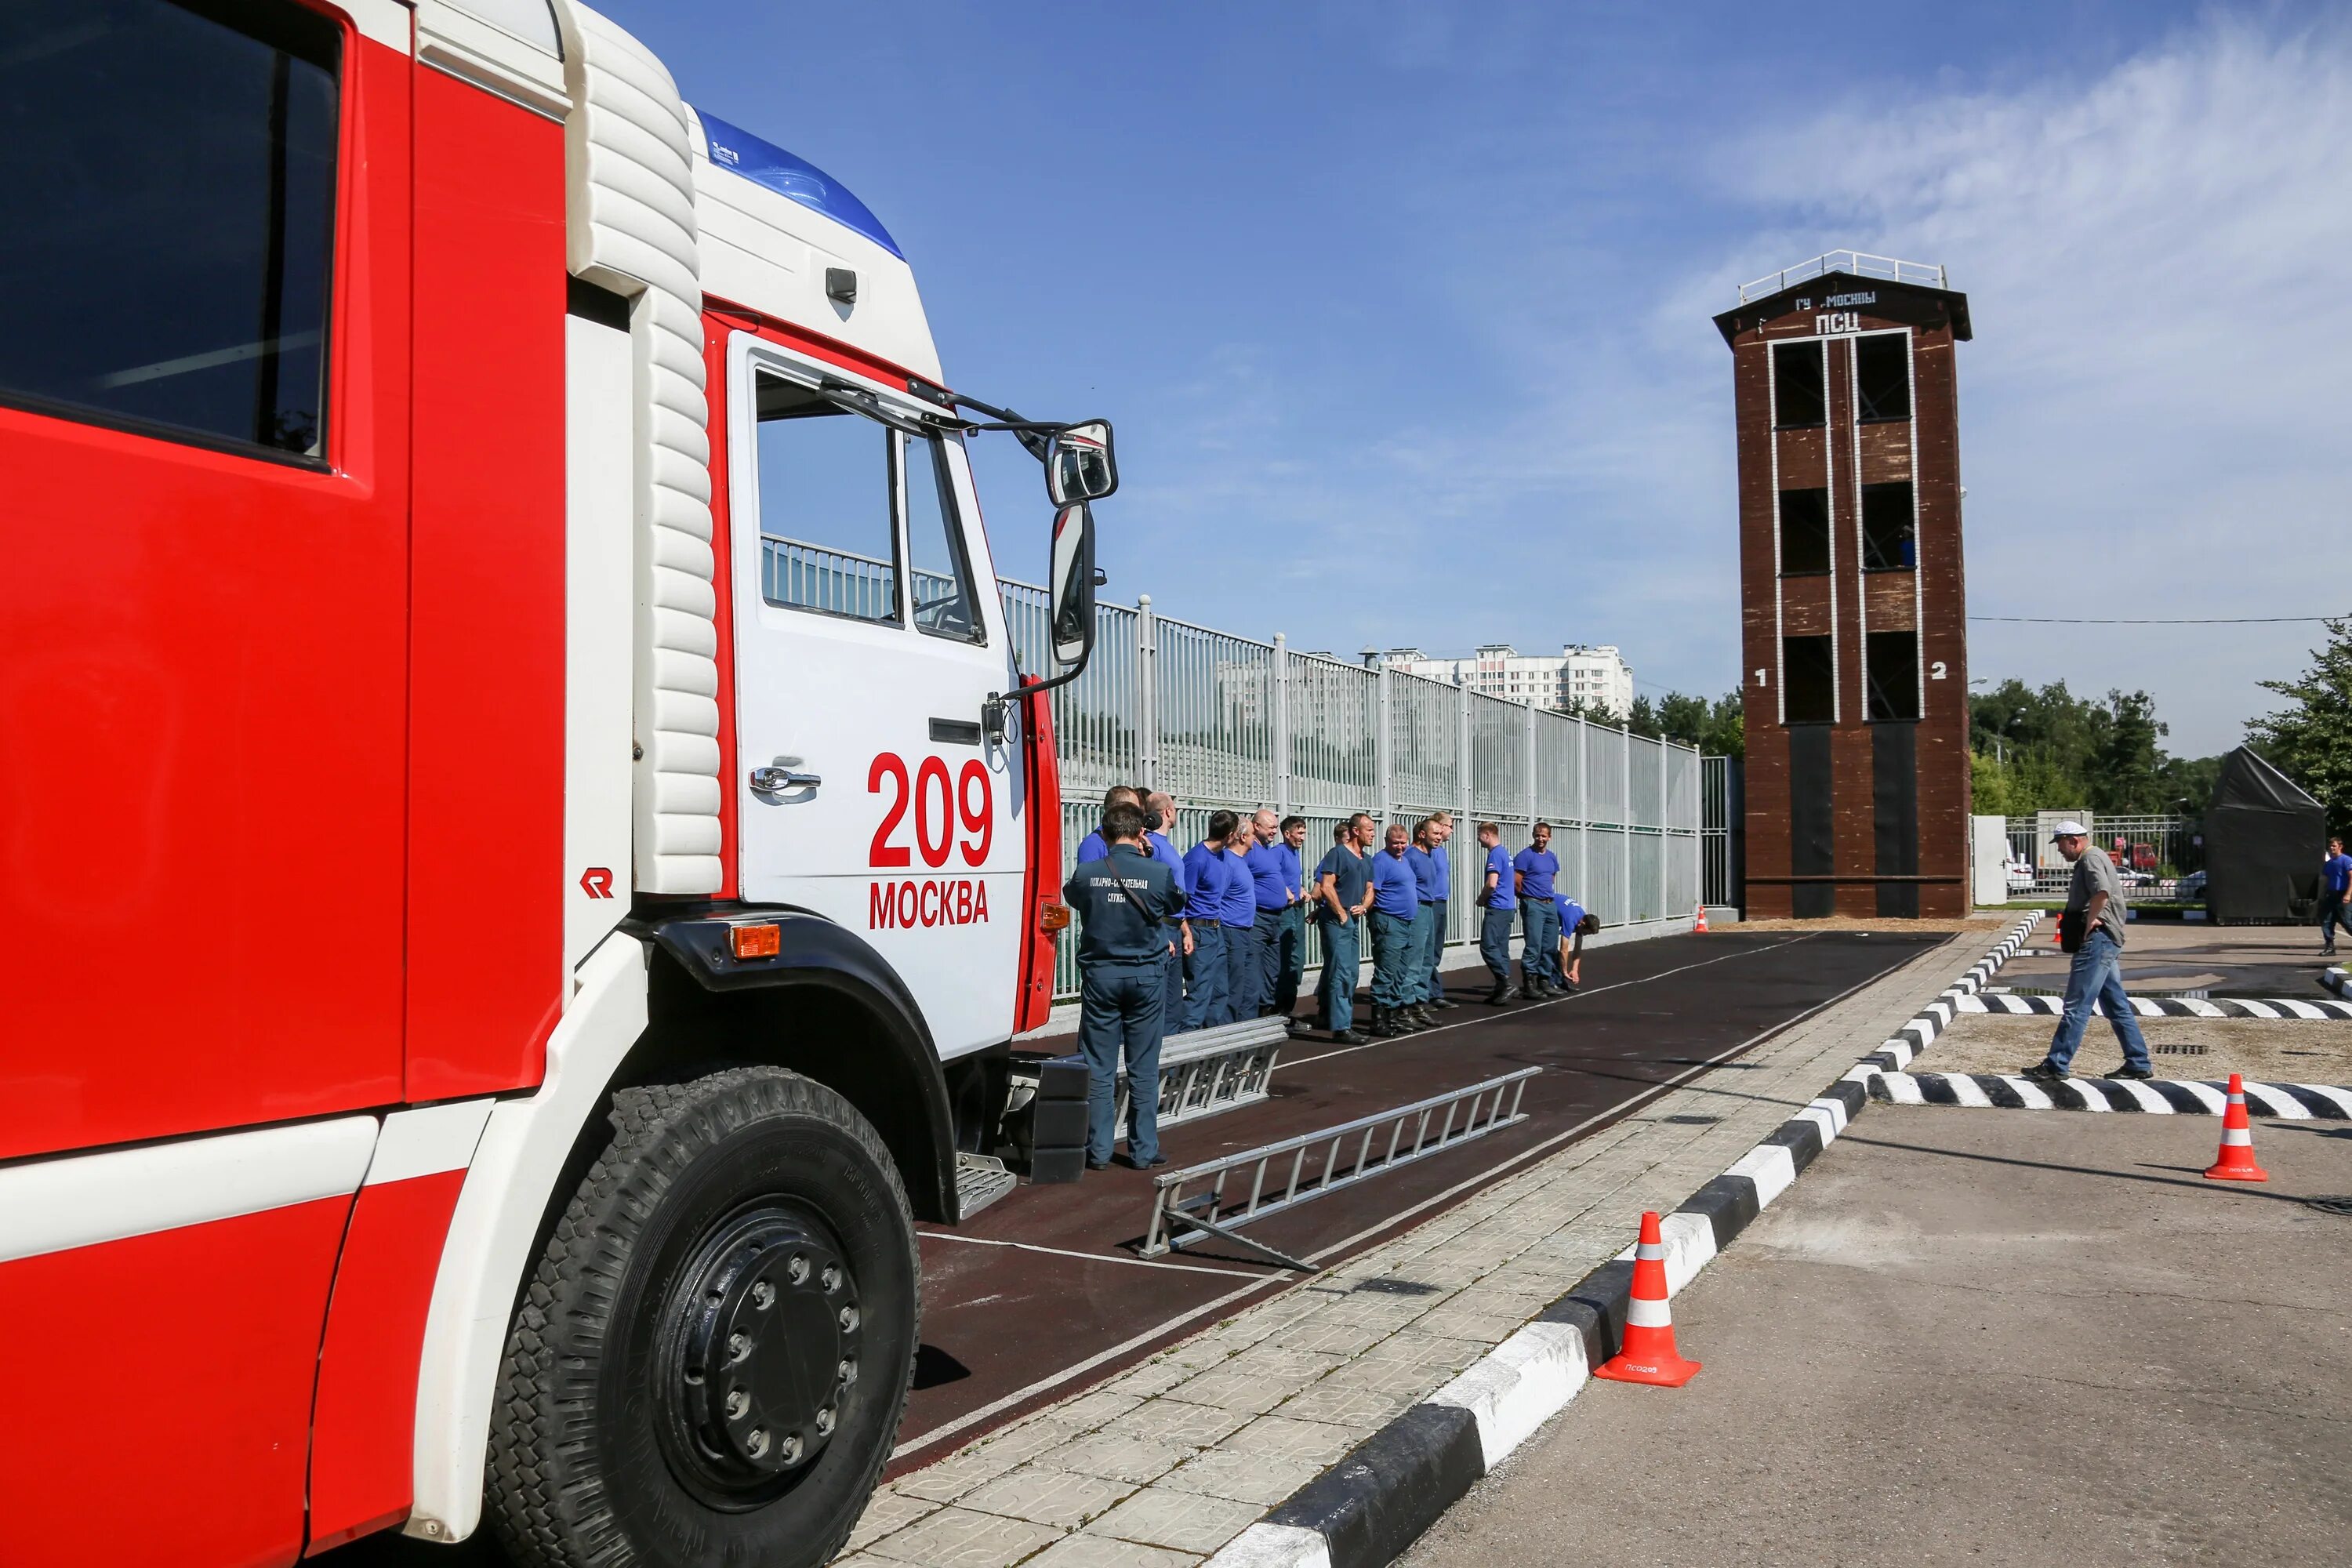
2050 749
2310 740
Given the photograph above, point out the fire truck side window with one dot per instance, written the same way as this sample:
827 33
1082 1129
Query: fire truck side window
828 533
168 173
943 602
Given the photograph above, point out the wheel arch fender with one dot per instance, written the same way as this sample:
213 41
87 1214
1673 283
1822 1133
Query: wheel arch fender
495 1230
825 1005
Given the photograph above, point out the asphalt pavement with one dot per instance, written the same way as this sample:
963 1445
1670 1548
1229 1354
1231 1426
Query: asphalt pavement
1980 1337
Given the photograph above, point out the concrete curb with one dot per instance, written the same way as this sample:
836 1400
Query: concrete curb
2167 1006
2161 1097
1374 1503
2334 978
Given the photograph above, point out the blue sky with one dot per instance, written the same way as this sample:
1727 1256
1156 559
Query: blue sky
1401 310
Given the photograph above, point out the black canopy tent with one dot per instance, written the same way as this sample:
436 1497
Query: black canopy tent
2263 842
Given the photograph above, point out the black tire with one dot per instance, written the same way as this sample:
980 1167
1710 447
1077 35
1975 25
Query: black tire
596 1459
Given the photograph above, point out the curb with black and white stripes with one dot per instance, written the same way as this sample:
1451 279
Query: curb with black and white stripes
2166 1006
2334 978
2160 1096
1370 1506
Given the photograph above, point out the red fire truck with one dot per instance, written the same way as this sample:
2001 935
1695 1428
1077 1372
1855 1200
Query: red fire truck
523 841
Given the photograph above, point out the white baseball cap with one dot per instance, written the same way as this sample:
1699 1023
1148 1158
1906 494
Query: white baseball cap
2070 829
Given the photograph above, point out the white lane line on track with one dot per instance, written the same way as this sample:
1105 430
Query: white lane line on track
1087 1257
1497 1016
1079 1369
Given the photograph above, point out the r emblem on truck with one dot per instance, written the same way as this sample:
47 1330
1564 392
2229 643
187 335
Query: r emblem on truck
596 882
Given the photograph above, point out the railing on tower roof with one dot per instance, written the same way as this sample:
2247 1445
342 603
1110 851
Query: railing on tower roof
1858 263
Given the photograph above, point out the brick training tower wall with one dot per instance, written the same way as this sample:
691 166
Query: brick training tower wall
1853 593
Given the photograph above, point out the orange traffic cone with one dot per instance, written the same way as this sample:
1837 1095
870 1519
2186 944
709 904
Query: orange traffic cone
1649 1353
2236 1161
1700 928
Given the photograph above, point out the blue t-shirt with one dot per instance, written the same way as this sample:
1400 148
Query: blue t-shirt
1445 864
1426 888
1240 891
1571 911
1501 895
2339 871
1349 873
1394 892
1274 875
1293 867
1163 850
1204 875
1539 867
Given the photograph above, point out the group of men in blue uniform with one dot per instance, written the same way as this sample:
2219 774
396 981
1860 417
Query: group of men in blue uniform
1170 944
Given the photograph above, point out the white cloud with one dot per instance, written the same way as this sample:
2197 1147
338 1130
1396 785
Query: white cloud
2154 414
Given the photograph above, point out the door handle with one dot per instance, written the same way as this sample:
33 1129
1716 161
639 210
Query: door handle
774 780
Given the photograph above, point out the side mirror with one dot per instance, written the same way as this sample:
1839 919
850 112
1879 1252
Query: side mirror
1078 463
1073 626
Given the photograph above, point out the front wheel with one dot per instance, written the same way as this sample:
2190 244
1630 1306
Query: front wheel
710 1365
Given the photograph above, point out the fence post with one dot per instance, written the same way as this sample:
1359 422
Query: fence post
1666 905
1625 809
1583 815
1467 799
1147 692
1279 680
1528 745
1383 760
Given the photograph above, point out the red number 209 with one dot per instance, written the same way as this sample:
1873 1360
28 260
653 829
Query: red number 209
939 808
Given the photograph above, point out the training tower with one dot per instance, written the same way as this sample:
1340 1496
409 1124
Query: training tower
1853 604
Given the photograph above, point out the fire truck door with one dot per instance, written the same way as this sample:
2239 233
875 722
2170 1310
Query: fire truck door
868 637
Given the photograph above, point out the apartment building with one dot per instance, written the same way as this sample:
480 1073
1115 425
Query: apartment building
1596 676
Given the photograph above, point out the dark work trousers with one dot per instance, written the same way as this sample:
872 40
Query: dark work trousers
1245 974
1434 956
1204 977
1171 984
1118 1019
1417 963
2331 915
1391 959
1494 941
1335 993
1539 959
1289 958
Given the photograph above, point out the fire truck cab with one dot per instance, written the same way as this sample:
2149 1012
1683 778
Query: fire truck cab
524 842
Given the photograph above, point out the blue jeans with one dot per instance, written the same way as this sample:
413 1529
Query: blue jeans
1539 959
1204 976
1392 958
1118 1015
2331 915
1244 972
1335 993
2096 974
1494 941
1433 955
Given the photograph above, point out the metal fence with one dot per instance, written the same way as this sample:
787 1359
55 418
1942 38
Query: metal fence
2159 858
1222 721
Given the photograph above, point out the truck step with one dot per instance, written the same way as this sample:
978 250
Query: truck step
981 1179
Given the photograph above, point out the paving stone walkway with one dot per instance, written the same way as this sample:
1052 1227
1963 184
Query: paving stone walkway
1164 1463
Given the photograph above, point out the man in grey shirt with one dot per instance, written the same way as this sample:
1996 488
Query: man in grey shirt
2096 895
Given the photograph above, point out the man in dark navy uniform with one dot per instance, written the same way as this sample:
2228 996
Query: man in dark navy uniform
1123 903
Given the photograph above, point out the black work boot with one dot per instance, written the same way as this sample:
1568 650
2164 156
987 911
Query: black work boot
1382 1028
1500 995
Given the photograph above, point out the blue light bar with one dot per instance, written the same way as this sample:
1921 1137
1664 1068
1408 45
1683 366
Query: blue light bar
765 163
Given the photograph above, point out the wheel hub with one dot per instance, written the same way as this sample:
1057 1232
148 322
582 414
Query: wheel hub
764 1334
